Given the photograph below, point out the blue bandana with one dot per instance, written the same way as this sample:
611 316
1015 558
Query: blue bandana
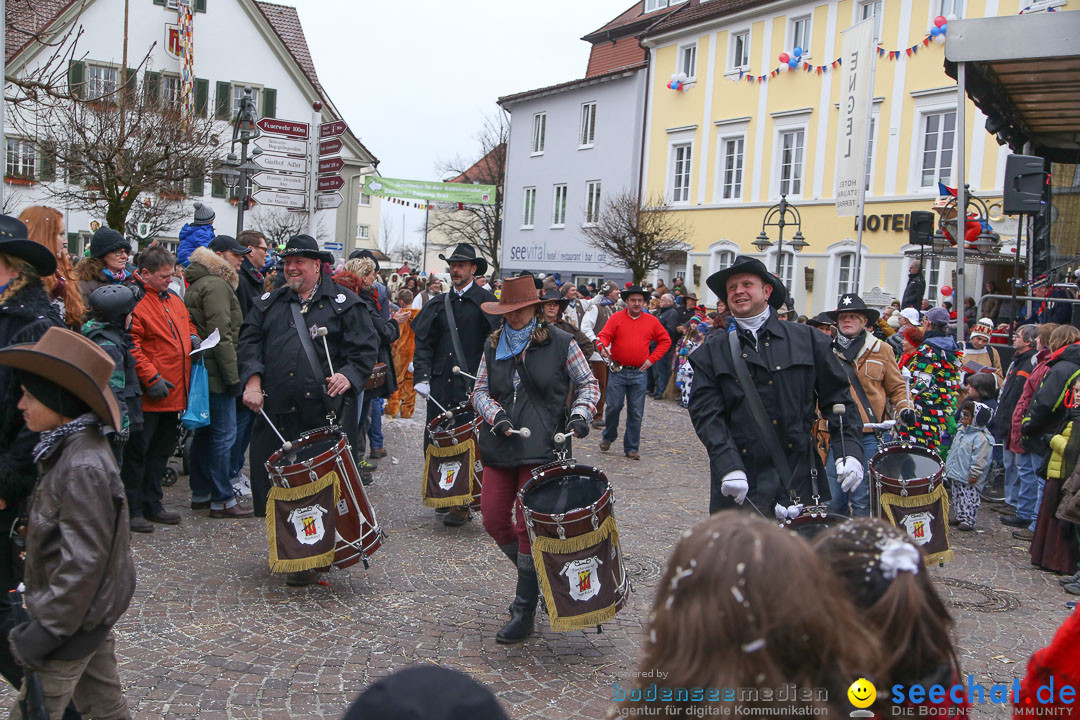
4 287
512 342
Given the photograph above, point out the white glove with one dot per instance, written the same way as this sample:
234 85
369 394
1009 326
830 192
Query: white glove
849 472
422 388
410 367
787 513
735 485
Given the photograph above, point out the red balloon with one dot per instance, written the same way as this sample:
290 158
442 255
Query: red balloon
784 57
939 21
946 290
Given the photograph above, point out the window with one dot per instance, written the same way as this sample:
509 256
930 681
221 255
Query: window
932 266
21 159
170 90
558 208
365 200
723 260
791 161
740 50
939 134
787 268
653 5
733 168
363 232
846 275
101 81
949 8
528 208
872 8
800 34
238 95
592 202
588 125
539 133
688 60
680 186
870 155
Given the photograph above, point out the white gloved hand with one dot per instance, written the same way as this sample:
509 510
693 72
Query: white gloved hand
849 471
422 388
410 367
787 513
735 485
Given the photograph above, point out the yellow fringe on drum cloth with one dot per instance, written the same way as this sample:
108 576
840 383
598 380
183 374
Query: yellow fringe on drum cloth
889 500
290 495
450 451
553 546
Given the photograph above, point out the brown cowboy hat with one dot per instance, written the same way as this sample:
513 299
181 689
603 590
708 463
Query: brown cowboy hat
517 292
74 363
555 296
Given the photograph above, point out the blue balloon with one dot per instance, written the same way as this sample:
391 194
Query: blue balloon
944 28
797 52
793 63
935 31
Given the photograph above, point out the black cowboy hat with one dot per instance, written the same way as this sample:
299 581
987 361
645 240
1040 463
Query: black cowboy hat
633 290
15 241
554 296
822 318
717 282
465 252
305 246
850 302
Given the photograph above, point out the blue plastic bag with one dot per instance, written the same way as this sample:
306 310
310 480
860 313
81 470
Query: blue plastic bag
197 414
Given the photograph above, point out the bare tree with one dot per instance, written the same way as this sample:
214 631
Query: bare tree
639 239
278 224
479 225
387 243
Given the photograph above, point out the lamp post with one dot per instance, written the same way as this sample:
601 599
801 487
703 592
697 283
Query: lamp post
777 216
236 171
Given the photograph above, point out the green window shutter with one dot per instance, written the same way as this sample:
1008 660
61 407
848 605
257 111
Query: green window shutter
152 86
131 85
46 162
217 186
269 102
76 77
159 2
223 101
197 184
73 245
200 6
202 96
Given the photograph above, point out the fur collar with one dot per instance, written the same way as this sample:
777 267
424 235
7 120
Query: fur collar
216 265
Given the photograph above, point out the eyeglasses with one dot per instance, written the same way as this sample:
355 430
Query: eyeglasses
122 251
264 248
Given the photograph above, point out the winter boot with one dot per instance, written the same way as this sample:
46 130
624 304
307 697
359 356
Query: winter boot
523 609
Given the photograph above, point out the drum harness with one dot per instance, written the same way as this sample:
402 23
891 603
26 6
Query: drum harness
451 324
309 351
853 380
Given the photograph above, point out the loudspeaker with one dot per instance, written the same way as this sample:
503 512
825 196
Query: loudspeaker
1026 184
921 227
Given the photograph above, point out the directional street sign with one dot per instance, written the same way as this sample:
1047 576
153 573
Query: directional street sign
281 182
288 128
333 246
283 146
331 146
331 182
280 199
330 165
329 201
280 163
332 129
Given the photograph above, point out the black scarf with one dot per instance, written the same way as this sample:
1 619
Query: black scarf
849 347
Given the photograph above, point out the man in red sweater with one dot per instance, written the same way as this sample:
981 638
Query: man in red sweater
625 340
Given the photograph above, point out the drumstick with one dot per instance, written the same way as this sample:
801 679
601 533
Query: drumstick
285 444
458 371
838 410
437 404
523 432
322 331
563 437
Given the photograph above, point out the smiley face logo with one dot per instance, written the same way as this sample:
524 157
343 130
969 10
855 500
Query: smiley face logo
862 693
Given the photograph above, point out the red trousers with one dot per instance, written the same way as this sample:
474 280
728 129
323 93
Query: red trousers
498 502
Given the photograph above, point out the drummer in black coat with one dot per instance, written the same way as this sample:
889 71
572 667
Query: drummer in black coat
527 373
795 373
277 374
434 359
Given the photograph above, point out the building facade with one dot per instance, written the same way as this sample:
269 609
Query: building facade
236 44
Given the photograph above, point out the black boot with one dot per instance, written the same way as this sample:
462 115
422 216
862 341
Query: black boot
523 609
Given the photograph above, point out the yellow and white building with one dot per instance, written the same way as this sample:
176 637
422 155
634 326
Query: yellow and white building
723 150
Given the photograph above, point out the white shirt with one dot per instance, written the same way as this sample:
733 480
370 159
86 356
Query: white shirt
464 289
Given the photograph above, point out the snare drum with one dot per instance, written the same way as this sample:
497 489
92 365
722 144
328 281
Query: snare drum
812 520
455 427
312 456
903 469
569 514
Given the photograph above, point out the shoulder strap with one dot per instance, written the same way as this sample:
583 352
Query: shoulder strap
853 380
309 352
451 323
757 410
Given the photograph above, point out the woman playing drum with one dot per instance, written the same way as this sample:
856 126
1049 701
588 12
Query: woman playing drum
524 380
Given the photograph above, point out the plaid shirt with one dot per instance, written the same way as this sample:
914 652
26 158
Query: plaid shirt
585 399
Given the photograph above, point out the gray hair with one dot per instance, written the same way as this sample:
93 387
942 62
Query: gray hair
1030 333
668 296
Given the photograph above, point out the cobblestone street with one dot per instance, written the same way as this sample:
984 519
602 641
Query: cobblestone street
211 634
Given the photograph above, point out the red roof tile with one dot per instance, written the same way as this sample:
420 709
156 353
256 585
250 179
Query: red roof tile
608 56
697 11
567 85
27 18
286 24
485 170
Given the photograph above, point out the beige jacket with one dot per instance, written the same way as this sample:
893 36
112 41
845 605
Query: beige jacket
880 377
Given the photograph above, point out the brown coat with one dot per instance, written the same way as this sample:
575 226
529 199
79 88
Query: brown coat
880 378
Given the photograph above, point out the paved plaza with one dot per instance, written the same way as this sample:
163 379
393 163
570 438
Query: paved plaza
211 634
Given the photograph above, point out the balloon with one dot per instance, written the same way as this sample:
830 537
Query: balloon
783 66
946 290
784 57
935 31
944 28
797 52
793 63
940 20
674 76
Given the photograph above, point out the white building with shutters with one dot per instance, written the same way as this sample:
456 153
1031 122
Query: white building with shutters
237 44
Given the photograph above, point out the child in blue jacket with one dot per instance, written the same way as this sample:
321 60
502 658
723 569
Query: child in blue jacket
196 234
968 462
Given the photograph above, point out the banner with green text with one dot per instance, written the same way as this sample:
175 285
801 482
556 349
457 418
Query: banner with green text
430 191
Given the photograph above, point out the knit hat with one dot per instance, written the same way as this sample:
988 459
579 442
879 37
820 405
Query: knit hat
204 215
983 328
426 692
911 314
105 240
894 321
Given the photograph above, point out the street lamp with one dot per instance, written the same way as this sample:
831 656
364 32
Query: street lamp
236 171
777 216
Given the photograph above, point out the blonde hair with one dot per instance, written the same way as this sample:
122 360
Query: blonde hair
43 226
27 276
360 267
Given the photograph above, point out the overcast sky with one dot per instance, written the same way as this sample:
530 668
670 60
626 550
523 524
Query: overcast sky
415 79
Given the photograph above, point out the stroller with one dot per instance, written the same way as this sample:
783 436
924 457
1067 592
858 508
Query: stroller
182 451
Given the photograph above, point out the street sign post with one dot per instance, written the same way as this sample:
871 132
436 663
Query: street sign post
330 182
281 182
330 165
334 246
288 128
280 163
332 129
279 199
331 146
328 201
280 145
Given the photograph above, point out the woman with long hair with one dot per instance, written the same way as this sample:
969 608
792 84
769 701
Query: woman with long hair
109 263
746 605
45 226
